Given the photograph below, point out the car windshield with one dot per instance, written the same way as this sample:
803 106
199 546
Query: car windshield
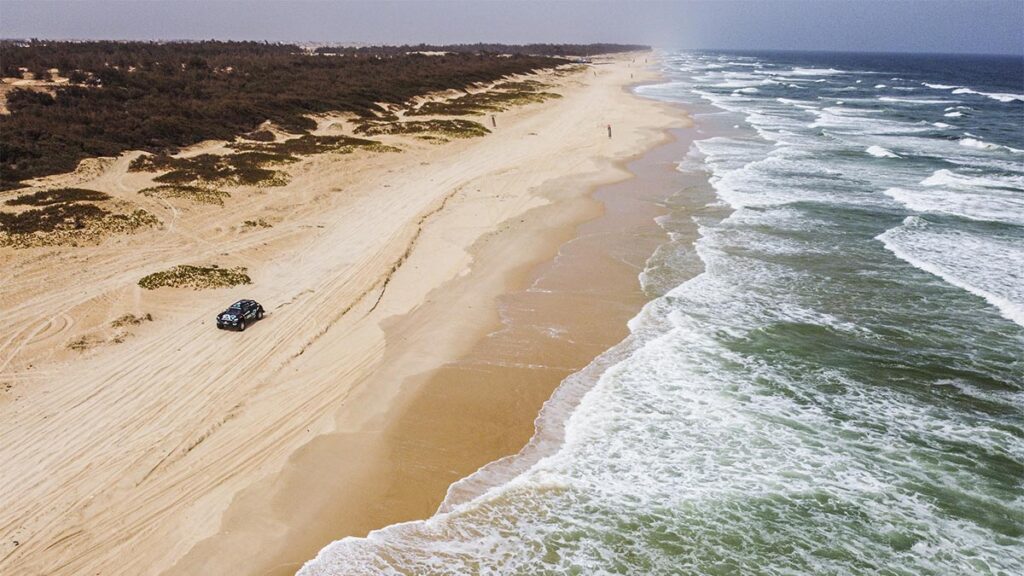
235 308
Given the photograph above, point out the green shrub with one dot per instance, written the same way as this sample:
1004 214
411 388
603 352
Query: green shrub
196 277
197 194
456 128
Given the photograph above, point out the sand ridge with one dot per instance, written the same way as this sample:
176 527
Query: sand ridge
122 459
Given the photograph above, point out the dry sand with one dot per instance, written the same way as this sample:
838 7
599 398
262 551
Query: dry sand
184 449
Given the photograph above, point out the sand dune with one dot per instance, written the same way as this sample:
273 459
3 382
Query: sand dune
121 458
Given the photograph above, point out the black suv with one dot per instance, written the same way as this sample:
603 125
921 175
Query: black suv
239 313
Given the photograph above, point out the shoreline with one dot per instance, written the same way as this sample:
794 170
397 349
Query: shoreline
565 308
183 496
449 419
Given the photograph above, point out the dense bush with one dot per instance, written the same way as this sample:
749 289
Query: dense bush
58 196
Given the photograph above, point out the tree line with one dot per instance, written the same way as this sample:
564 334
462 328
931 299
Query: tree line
162 96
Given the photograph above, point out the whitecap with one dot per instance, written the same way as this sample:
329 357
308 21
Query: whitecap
879 152
944 177
982 145
984 266
915 100
1001 97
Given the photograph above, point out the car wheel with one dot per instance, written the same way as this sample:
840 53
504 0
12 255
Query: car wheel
241 326
259 315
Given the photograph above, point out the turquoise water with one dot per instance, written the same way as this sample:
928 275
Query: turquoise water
841 391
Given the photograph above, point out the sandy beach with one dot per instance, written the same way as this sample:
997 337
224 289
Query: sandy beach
396 356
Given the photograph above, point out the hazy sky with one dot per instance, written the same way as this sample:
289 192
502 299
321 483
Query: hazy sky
983 26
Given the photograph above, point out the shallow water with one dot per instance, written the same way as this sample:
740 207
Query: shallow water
841 391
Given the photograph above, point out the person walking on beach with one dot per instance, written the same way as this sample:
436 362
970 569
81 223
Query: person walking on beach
609 131
494 123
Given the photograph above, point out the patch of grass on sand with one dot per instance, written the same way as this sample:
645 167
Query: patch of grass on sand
259 136
131 320
432 139
257 223
211 169
199 194
49 218
569 70
520 86
64 219
309 144
84 343
456 128
123 223
481 103
252 165
58 196
196 277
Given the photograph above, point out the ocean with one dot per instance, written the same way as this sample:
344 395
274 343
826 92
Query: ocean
839 391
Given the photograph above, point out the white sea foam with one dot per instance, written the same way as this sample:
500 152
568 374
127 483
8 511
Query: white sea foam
1002 97
953 114
803 72
982 145
985 205
915 100
804 104
984 266
944 177
879 152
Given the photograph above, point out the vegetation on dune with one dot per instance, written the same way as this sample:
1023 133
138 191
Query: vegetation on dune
449 128
286 150
84 343
196 277
58 196
196 177
159 97
259 136
68 224
432 139
257 223
65 216
481 103
198 194
131 320
213 169
520 85
50 218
